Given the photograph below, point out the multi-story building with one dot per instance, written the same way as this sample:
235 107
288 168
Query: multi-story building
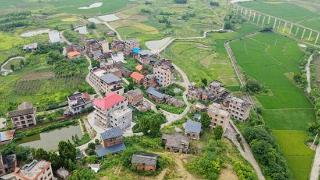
106 82
112 111
129 45
24 116
219 117
163 74
238 108
176 143
150 81
79 102
111 142
36 170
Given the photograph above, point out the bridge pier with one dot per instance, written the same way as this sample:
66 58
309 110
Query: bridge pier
275 23
310 35
264 17
259 16
298 28
316 41
290 31
304 30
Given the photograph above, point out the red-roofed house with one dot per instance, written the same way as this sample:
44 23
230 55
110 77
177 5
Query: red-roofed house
73 54
112 111
137 77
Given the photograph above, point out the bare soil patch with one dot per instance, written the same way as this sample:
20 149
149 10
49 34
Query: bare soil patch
38 76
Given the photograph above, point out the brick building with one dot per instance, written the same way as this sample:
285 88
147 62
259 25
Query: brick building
24 116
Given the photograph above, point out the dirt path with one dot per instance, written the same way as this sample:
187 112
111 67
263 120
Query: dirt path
180 168
316 165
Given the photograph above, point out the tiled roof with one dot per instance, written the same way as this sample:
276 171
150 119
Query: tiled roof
192 126
155 93
6 135
137 76
108 101
110 78
111 133
144 159
73 54
110 150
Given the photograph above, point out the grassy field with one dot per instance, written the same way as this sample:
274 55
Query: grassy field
288 11
206 58
66 6
270 58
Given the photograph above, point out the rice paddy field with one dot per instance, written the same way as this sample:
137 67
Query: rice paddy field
207 58
290 11
270 59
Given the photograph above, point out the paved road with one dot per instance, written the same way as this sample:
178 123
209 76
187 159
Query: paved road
5 71
65 39
308 74
314 175
244 150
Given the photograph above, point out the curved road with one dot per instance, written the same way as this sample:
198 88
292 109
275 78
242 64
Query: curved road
7 71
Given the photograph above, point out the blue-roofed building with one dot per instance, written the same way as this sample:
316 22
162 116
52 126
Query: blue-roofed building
192 129
136 50
155 95
111 142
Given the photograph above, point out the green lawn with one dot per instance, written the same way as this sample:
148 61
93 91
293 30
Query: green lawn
271 58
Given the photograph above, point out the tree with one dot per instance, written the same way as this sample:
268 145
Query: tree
218 131
82 173
95 64
67 150
205 120
41 154
12 67
91 145
92 25
181 1
253 86
149 123
204 82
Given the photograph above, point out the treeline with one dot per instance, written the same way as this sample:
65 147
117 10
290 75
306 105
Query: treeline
265 149
14 20
231 21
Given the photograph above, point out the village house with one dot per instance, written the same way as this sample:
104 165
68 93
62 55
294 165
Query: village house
238 108
144 106
6 136
156 95
111 142
163 74
145 56
73 54
62 173
79 102
30 47
150 81
117 46
106 82
36 170
24 116
137 77
144 162
112 111
176 143
96 49
139 67
94 167
129 45
117 57
7 164
198 107
219 117
134 97
174 101
192 129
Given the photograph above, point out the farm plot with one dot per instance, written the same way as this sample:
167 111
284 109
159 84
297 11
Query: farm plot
199 61
269 58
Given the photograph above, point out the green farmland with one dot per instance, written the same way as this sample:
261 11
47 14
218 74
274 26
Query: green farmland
63 6
271 58
288 11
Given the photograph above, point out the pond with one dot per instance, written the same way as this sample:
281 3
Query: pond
49 140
